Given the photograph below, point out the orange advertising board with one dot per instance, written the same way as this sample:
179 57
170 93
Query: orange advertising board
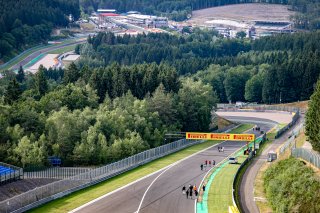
219 136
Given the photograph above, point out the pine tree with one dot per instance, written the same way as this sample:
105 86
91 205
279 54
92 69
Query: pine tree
71 74
313 119
13 92
20 76
41 83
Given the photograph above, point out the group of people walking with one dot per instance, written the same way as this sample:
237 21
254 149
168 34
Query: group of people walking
190 191
206 163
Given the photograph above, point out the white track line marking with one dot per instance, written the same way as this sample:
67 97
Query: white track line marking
144 177
123 187
150 187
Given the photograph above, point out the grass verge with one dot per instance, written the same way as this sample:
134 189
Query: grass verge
63 50
81 197
220 198
220 192
242 128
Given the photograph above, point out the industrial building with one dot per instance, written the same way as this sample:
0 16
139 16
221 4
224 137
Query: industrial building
72 58
147 21
105 18
106 11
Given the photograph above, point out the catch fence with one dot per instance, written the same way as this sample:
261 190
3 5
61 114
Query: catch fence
49 192
56 172
308 155
291 142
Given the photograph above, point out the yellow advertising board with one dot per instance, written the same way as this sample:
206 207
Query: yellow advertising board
219 136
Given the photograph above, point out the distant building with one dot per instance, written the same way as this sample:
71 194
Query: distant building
106 11
133 12
148 21
69 59
104 17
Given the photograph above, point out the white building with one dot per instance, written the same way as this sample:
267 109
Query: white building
148 21
106 11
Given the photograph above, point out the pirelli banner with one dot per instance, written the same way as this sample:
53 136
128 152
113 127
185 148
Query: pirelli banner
219 136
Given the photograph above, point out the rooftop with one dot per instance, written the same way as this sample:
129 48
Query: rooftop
108 14
73 57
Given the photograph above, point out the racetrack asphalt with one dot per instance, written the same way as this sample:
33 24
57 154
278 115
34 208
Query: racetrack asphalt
42 51
165 194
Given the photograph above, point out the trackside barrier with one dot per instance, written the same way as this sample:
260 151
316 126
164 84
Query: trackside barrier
307 155
265 108
24 52
49 192
295 132
56 172
202 202
290 143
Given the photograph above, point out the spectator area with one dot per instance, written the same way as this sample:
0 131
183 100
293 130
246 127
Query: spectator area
9 173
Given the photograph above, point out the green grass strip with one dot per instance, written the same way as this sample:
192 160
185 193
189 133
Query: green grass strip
218 196
81 197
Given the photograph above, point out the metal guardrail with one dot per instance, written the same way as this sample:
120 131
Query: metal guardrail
290 143
263 108
56 172
310 156
266 108
52 191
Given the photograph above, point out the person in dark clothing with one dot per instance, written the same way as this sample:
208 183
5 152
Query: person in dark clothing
213 162
206 162
196 193
204 188
190 187
190 190
201 167
187 193
183 189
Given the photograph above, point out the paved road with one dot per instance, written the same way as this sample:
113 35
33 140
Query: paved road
280 117
45 50
164 195
247 184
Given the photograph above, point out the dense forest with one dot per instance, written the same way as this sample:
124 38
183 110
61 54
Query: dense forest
97 116
307 18
187 53
24 23
313 119
281 68
127 92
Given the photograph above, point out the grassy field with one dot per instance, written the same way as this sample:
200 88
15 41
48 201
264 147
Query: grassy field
242 128
300 104
63 50
220 192
246 13
79 198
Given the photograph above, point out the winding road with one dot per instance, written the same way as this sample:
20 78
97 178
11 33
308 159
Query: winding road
36 54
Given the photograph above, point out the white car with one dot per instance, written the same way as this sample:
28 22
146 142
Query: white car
233 160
